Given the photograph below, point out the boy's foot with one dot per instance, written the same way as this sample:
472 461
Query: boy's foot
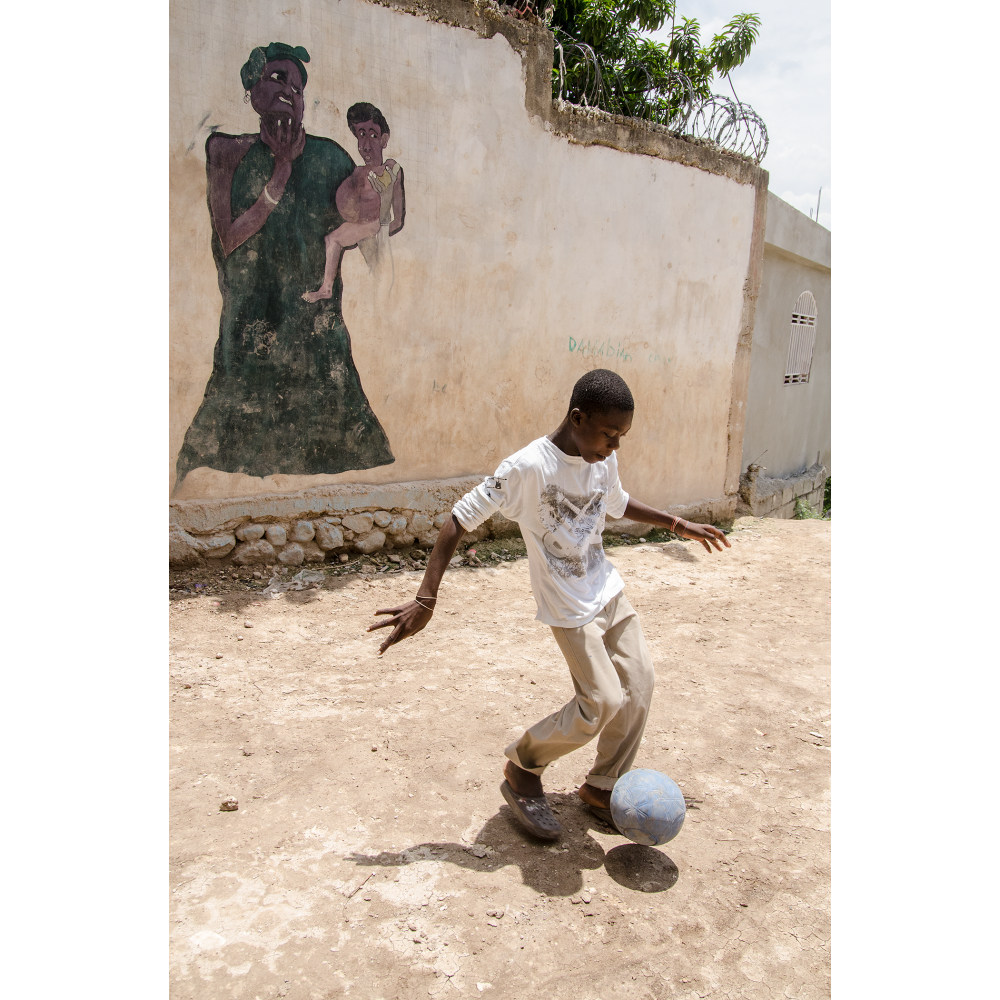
523 782
598 801
524 795
593 796
321 293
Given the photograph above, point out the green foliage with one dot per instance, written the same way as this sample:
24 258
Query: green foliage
634 71
804 510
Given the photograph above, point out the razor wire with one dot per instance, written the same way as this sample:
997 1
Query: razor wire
634 92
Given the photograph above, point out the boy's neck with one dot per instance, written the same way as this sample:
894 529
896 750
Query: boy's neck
562 438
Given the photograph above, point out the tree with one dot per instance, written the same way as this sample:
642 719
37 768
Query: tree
608 61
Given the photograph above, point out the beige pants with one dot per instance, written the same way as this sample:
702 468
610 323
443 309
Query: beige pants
613 677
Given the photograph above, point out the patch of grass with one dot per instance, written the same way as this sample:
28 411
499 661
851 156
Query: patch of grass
497 550
653 535
805 511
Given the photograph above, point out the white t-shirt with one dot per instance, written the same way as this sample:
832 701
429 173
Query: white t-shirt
560 502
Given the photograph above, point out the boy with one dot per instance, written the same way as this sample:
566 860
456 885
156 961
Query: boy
559 490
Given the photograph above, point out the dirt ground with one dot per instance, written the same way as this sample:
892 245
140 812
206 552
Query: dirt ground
371 854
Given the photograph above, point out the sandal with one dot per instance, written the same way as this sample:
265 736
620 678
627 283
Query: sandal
533 813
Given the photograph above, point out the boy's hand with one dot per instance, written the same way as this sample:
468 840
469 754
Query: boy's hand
408 619
707 534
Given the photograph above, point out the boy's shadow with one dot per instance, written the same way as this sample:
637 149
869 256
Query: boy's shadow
550 872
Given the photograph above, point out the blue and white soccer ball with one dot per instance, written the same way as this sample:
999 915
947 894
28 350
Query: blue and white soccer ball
647 807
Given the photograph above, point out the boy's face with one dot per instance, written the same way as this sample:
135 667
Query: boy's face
598 434
371 142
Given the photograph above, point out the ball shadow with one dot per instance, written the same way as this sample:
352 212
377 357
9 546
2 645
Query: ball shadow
644 869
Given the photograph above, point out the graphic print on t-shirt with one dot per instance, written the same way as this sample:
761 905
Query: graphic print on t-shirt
570 522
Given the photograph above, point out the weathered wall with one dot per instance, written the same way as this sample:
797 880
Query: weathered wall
540 241
788 426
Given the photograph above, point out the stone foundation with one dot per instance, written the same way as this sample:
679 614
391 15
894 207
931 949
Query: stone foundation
762 496
330 522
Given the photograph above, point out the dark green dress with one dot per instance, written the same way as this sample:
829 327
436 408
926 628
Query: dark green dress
284 395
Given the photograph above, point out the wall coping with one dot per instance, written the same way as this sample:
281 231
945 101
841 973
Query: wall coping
580 125
794 235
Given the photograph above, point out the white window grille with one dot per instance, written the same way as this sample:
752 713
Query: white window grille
802 340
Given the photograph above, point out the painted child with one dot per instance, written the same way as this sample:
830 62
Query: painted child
559 489
371 201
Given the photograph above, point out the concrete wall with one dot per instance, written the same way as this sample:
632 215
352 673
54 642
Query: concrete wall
540 241
788 426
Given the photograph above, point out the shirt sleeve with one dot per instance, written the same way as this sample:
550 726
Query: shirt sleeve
496 494
617 498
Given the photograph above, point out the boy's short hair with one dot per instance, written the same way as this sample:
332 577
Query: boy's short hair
365 112
601 390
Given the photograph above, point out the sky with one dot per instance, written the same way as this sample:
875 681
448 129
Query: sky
786 80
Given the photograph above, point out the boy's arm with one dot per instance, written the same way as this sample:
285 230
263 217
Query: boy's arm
707 534
408 619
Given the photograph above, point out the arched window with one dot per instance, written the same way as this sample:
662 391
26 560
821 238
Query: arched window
803 337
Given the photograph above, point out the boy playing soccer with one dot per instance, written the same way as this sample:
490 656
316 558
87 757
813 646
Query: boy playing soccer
559 489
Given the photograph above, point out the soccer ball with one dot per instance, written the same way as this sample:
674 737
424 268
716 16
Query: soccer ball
647 807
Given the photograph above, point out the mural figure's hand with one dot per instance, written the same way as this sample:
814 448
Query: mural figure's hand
407 619
285 138
384 187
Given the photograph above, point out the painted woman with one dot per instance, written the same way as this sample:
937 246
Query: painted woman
284 395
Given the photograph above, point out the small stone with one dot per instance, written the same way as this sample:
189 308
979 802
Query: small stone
420 524
250 532
292 554
218 656
371 542
382 518
184 548
303 531
276 535
359 523
492 923
217 546
248 624
229 805
259 551
328 536
344 557
375 748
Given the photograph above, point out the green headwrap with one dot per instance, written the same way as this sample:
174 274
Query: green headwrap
260 57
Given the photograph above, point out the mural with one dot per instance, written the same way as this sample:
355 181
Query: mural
284 395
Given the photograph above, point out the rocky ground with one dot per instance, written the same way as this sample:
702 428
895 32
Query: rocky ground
336 824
